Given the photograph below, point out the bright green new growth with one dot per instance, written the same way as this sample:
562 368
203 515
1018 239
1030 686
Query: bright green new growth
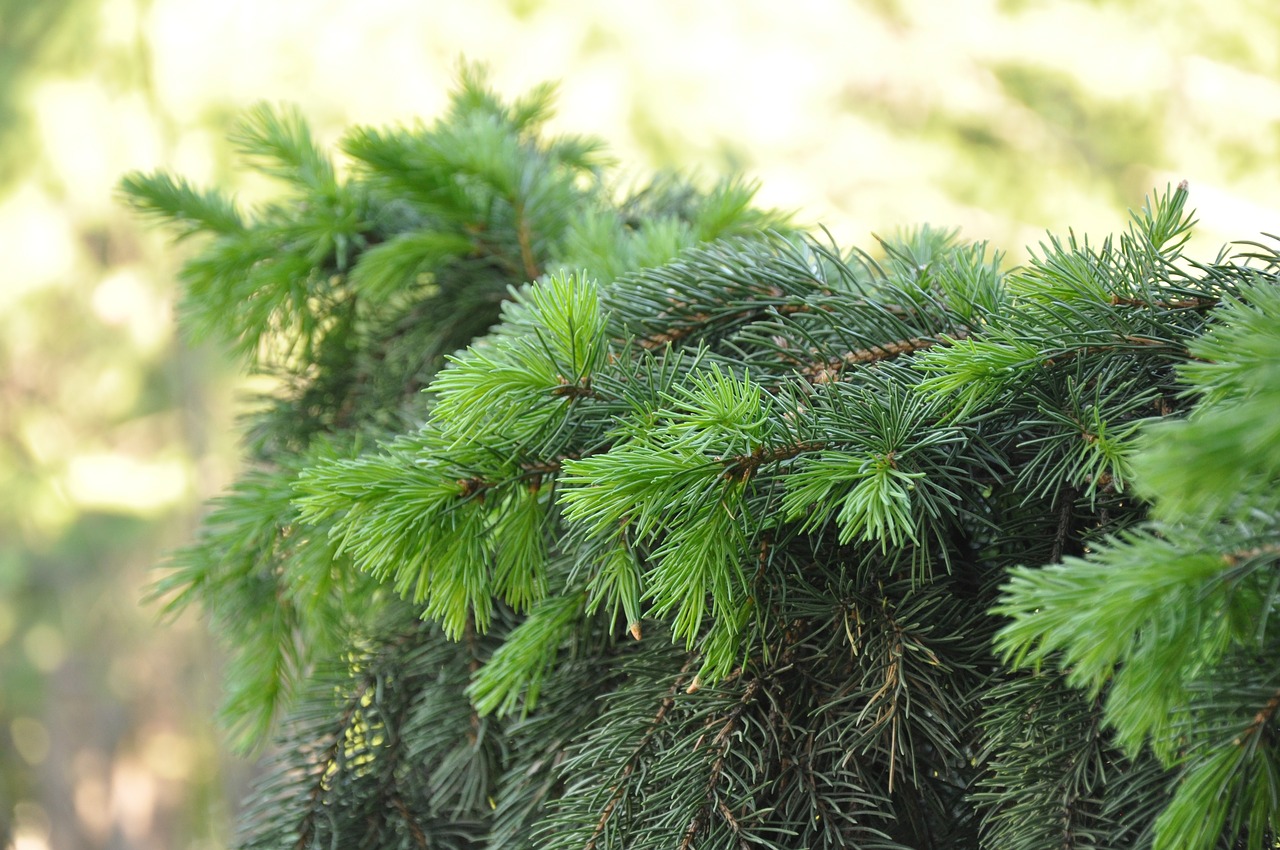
715 526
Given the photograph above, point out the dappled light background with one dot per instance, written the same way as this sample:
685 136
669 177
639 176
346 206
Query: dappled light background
1001 118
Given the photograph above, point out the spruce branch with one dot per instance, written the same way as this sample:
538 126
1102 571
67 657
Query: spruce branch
1260 720
326 764
709 519
278 142
633 760
524 238
175 201
831 370
712 803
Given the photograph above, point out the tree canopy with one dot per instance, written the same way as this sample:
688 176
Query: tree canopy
719 534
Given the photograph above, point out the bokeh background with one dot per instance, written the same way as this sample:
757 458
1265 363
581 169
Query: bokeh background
1001 117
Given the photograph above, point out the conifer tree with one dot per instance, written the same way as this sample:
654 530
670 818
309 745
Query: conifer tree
718 535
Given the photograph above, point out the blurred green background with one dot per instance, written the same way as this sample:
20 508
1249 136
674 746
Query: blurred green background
1003 117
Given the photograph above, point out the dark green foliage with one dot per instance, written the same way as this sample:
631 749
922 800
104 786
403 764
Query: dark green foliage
367 762
708 527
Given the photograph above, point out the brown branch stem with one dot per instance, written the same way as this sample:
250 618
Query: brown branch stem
828 371
524 236
742 467
1262 718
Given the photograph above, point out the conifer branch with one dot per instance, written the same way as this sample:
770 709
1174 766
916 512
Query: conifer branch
741 435
696 324
574 390
1235 558
1260 720
524 237
740 468
830 370
633 760
891 688
1123 343
321 781
1066 511
1071 787
415 829
1171 304
710 802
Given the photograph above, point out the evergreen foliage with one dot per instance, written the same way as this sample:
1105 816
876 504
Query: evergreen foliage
723 536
